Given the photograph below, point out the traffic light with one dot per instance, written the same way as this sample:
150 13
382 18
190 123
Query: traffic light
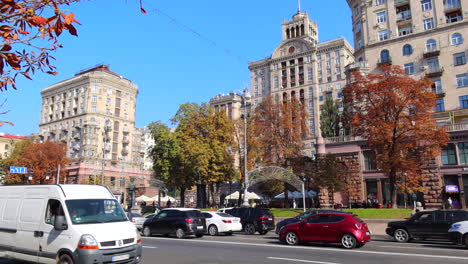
30 177
47 176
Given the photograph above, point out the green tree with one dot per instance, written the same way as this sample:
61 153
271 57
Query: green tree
330 118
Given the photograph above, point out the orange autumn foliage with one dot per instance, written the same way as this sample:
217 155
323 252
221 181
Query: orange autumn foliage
394 112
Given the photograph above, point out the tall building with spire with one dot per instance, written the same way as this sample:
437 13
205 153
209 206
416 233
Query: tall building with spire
303 68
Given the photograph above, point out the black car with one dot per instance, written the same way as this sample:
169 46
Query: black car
426 225
176 221
253 220
303 216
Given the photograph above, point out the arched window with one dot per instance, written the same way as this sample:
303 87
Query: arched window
384 56
288 34
407 49
285 98
457 39
293 33
431 45
302 30
293 95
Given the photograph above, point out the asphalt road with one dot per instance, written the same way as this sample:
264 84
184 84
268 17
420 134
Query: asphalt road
256 249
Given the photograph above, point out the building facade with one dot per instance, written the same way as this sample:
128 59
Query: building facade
94 113
7 143
427 39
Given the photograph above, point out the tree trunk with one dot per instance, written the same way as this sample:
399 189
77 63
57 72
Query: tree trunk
201 195
182 197
393 190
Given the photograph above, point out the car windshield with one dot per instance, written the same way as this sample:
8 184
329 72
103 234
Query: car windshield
95 211
194 213
224 215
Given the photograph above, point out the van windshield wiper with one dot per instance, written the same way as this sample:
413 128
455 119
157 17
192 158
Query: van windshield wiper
116 220
91 222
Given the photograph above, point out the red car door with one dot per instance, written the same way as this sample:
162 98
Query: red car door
335 225
315 229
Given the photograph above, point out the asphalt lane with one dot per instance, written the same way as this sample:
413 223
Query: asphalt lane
241 248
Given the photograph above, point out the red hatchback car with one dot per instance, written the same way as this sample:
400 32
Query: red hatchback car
347 229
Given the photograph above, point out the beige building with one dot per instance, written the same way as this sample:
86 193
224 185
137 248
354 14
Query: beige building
425 37
94 113
7 143
301 67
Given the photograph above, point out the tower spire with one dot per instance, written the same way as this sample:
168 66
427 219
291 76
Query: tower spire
298 6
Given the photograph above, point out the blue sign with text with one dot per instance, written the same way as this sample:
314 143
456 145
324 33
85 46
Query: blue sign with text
18 170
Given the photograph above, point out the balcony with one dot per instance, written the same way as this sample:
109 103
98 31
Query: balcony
76 134
403 16
434 71
452 5
439 91
456 127
431 52
401 2
76 146
342 139
124 152
357 66
125 140
126 130
386 61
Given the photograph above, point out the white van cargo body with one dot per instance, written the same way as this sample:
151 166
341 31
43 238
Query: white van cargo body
66 224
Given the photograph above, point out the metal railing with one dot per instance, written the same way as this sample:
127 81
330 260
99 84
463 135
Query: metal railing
342 139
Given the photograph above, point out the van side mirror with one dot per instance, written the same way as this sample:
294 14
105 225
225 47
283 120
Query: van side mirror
60 223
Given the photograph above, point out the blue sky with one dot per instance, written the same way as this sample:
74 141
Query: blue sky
159 52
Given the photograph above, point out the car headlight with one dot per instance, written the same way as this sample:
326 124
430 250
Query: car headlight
88 242
456 226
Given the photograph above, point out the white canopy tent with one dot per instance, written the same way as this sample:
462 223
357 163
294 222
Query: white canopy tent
143 198
250 196
296 195
163 198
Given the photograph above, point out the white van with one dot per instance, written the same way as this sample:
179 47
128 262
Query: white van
458 232
66 224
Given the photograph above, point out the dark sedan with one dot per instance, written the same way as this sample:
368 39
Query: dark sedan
303 216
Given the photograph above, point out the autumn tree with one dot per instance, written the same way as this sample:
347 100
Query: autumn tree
331 175
207 139
42 159
170 162
394 112
279 130
330 118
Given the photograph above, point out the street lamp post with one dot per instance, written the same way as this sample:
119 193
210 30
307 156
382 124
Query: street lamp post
105 138
245 98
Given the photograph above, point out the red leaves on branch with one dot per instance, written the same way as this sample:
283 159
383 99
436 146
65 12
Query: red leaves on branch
27 23
395 113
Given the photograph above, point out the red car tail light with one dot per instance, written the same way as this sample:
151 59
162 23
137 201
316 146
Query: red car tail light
189 220
263 218
227 221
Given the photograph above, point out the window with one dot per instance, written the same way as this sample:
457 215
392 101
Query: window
379 2
108 100
459 59
439 105
328 71
384 56
337 53
340 94
329 79
449 156
338 76
457 39
309 74
95 88
463 101
94 98
383 35
337 61
433 64
381 17
403 31
463 152
276 81
425 218
359 43
54 209
454 17
428 23
109 90
327 55
409 68
407 49
431 45
93 109
437 86
426 5
328 63
462 80
321 98
369 161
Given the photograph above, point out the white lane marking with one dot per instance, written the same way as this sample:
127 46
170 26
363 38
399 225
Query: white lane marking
301 260
418 248
149 247
313 248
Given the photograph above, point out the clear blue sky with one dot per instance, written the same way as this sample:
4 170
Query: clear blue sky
170 64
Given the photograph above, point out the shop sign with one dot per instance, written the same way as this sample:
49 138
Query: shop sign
451 188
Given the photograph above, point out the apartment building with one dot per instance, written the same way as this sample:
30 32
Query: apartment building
94 113
300 67
7 143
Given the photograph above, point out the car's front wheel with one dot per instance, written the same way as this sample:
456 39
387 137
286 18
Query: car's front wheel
292 238
146 231
65 259
401 235
348 241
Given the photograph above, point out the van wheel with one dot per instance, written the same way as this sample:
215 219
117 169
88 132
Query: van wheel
146 231
401 235
180 233
249 229
213 230
65 259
